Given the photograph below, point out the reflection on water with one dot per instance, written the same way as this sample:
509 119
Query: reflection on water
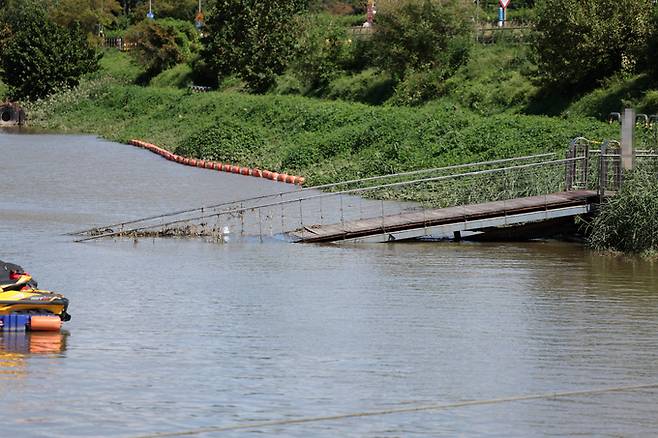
32 342
16 348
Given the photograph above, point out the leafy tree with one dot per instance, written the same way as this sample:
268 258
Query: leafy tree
37 56
323 50
250 38
650 62
161 44
88 13
421 35
580 42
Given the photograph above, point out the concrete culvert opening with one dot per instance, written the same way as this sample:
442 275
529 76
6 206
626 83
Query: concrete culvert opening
5 114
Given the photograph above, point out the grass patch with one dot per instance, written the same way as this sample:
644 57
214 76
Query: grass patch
179 76
119 66
494 80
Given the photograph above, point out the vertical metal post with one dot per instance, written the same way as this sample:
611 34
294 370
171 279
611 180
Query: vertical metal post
283 226
570 170
627 139
585 169
603 171
301 215
342 216
242 220
260 226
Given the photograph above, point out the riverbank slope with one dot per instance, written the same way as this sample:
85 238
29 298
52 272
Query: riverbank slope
322 140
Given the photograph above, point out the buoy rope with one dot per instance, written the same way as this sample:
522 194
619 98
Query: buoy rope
393 411
222 167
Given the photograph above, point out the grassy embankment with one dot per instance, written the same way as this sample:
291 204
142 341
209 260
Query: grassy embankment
323 140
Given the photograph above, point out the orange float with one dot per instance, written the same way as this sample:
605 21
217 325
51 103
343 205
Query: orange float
224 167
45 323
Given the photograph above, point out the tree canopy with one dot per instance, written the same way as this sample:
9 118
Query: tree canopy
37 56
250 38
88 13
580 42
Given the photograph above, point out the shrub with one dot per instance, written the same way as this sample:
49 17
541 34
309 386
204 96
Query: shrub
421 35
369 86
418 87
323 49
161 44
628 222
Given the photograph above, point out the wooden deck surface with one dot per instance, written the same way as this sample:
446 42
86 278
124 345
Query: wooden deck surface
432 217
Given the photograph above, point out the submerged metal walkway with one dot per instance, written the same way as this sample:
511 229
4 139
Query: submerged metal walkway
439 202
443 221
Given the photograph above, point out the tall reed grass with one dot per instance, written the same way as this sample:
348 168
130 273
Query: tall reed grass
628 222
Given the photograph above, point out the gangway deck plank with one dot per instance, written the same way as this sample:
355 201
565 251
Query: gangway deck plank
433 217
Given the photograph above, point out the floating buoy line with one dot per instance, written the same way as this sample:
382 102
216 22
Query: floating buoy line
392 411
221 167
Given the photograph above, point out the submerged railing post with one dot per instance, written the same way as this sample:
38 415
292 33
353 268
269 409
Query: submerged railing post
260 225
301 215
283 224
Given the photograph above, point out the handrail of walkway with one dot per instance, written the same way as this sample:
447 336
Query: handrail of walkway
314 188
331 194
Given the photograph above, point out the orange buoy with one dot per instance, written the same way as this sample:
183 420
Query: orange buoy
215 165
45 323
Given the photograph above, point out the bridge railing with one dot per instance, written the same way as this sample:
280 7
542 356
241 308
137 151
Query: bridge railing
362 199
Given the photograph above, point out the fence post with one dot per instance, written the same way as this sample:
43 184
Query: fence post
627 138
603 170
570 171
585 170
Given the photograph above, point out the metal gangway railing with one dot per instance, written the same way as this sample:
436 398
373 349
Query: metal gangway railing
278 214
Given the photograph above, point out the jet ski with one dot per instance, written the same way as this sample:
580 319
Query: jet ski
24 305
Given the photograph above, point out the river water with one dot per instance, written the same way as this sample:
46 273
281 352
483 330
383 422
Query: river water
185 336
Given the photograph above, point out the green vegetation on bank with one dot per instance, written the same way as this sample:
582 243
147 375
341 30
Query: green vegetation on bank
323 140
628 222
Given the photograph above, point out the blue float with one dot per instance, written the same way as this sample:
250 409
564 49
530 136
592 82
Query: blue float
14 322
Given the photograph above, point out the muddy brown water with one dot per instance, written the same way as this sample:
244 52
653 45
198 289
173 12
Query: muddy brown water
174 335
